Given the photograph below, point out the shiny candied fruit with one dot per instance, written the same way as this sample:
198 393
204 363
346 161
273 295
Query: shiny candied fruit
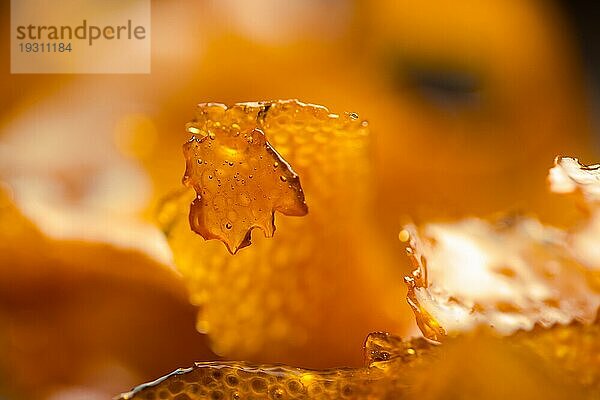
543 363
285 292
537 344
508 275
511 274
240 181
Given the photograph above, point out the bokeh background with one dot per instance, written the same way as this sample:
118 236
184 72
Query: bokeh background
468 103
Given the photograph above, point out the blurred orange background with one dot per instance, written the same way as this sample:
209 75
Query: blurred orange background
468 103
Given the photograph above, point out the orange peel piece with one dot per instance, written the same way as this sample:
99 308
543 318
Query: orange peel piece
515 276
287 293
239 178
49 285
547 362
507 275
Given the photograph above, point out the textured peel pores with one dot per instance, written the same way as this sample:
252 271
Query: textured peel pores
551 363
284 291
516 276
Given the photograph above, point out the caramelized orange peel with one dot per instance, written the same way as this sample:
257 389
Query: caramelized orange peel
240 180
508 275
49 285
286 291
241 380
515 277
551 363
